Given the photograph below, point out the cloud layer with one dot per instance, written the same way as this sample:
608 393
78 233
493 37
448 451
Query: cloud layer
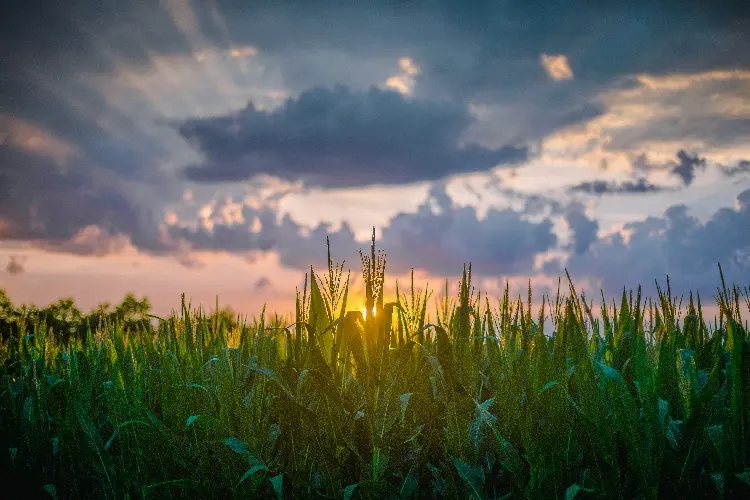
88 167
338 138
675 244
437 238
641 186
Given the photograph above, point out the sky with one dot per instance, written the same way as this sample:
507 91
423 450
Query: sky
210 147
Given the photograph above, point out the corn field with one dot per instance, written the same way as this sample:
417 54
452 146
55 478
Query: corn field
458 398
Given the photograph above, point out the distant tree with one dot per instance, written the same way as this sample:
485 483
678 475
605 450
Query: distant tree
132 314
7 316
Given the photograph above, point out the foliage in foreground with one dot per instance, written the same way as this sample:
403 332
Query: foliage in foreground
481 402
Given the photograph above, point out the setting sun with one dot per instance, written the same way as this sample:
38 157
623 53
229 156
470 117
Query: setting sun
364 312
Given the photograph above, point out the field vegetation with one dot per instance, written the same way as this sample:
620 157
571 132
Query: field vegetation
454 397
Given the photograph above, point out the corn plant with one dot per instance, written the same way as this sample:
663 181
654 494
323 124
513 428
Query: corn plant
477 401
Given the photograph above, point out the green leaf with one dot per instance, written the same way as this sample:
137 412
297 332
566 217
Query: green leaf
416 433
719 482
473 476
744 476
109 442
50 488
278 485
674 433
190 420
716 435
240 447
409 486
237 446
273 435
212 359
251 471
481 415
572 491
610 372
663 411
349 491
549 385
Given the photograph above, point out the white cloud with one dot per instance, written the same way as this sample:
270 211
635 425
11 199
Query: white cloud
704 112
404 81
408 66
244 51
557 67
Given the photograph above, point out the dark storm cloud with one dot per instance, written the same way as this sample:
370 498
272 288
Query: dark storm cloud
685 166
627 187
60 36
130 152
583 229
480 51
50 203
465 46
503 243
49 52
607 35
40 201
339 138
677 245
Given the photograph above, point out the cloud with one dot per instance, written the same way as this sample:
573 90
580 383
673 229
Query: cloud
90 240
486 54
584 230
262 284
675 244
403 82
338 138
503 243
741 168
15 265
557 67
687 165
64 207
109 72
21 134
611 37
706 113
437 238
600 188
38 200
684 168
250 226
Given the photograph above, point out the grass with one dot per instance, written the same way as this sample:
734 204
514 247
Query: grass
468 401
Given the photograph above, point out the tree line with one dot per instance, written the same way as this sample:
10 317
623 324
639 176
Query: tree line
65 321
